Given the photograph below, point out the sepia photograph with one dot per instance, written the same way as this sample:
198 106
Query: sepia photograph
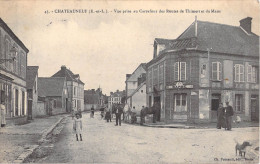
129 81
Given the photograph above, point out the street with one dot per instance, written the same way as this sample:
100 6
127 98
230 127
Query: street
105 142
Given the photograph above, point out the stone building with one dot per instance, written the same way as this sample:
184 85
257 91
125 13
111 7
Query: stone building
13 63
207 64
32 91
75 89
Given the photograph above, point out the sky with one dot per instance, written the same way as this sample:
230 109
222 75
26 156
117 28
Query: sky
103 47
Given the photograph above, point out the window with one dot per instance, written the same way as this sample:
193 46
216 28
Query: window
238 99
150 78
161 73
74 91
251 74
203 70
216 71
54 104
180 71
155 75
239 73
180 102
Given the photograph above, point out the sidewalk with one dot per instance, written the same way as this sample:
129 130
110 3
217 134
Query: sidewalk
18 141
199 125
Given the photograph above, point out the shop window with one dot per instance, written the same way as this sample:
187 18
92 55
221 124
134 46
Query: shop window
180 102
239 73
216 71
238 100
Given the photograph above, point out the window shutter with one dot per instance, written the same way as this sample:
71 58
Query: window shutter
176 71
254 75
249 73
236 72
183 71
219 71
214 71
241 73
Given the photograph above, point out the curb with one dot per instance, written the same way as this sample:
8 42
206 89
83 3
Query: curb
169 126
28 152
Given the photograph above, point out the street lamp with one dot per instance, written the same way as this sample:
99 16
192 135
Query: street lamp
12 51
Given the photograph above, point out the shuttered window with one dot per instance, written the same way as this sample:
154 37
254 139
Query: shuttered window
251 74
239 73
180 71
216 71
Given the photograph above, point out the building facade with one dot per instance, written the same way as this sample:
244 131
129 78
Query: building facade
75 89
115 98
13 57
132 79
55 92
32 91
94 98
207 64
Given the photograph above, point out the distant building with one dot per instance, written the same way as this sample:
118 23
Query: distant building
32 91
75 88
54 90
115 97
94 98
13 64
132 79
207 64
133 82
137 99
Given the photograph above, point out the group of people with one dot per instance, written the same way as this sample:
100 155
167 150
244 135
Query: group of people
224 116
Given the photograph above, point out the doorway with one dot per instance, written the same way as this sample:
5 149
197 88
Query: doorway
215 100
254 108
29 109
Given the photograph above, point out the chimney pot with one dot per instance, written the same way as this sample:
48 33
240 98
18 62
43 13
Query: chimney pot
246 24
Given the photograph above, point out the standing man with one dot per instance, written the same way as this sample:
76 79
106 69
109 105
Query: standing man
2 108
228 115
119 111
92 111
220 114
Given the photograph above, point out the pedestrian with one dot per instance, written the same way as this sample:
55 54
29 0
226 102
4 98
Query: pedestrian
92 111
77 126
220 117
118 112
2 107
228 115
108 114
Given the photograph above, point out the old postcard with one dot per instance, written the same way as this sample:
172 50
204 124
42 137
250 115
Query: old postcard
129 81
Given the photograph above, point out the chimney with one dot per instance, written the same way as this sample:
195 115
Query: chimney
128 75
246 24
63 67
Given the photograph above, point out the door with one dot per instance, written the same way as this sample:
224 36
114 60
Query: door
254 108
30 109
215 100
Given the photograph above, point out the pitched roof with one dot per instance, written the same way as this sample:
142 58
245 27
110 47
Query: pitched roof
50 86
70 76
31 73
220 37
10 32
142 65
223 38
118 94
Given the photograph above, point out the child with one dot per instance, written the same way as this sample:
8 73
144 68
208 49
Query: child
77 126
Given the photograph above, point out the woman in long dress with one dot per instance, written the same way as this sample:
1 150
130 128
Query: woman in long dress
2 108
77 126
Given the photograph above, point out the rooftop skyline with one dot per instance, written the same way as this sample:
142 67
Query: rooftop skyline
103 48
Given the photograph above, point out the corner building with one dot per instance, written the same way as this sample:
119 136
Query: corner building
207 64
